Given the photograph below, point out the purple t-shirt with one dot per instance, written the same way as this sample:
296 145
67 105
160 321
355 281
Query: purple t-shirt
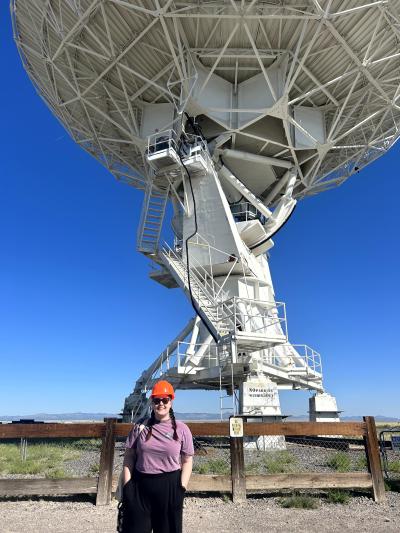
161 453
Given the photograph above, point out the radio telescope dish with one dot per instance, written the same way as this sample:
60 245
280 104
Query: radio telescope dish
231 111
285 79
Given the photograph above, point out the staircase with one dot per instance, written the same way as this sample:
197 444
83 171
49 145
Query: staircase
204 290
152 216
255 325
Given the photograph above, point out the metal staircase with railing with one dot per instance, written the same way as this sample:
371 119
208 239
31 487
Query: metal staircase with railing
203 289
254 324
152 216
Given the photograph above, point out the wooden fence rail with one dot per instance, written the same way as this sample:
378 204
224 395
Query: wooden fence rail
237 483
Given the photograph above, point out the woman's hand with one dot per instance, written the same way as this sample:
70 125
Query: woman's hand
129 464
187 464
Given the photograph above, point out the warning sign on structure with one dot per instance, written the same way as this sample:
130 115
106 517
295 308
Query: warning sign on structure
236 427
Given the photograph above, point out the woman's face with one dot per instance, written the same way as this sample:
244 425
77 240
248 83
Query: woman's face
161 407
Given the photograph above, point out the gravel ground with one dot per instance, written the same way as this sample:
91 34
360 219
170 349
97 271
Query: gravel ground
85 465
303 458
258 514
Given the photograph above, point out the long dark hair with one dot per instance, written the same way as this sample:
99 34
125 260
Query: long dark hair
152 421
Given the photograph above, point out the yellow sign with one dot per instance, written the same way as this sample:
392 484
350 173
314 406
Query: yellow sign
236 427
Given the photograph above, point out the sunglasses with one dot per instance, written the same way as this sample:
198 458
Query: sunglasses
157 401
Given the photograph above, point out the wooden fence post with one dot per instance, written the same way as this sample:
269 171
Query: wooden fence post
237 470
374 459
104 485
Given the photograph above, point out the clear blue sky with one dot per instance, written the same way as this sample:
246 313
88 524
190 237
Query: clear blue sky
79 318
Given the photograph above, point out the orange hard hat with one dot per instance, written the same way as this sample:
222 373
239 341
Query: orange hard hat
163 388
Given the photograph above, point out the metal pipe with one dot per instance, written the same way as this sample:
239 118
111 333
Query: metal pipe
254 158
277 187
240 187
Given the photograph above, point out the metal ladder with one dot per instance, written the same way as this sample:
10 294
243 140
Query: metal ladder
231 398
210 309
151 219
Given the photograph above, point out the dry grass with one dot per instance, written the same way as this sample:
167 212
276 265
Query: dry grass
299 501
214 466
340 462
46 459
338 496
279 462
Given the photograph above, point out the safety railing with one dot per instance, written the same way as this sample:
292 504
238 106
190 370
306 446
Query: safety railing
239 315
192 144
245 211
255 316
162 140
311 359
210 294
207 354
298 359
162 150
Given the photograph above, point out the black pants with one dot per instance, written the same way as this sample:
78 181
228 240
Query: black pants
153 503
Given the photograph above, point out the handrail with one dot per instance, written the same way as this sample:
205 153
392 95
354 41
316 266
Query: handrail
226 313
240 315
308 361
200 272
165 136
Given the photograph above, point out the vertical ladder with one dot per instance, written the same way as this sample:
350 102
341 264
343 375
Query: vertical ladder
151 219
231 409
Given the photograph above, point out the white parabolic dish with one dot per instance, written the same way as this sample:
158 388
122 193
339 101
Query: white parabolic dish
311 82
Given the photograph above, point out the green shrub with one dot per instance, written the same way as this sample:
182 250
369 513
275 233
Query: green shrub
394 466
338 496
361 462
24 467
253 468
51 452
340 461
279 462
214 466
56 473
94 469
299 501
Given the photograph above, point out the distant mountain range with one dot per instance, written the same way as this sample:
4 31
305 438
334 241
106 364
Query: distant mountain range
70 417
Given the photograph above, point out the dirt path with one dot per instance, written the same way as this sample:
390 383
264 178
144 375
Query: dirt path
207 515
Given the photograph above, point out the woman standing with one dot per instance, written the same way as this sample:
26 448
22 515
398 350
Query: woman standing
157 467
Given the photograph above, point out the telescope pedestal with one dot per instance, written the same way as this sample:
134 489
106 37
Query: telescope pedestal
258 395
239 341
323 408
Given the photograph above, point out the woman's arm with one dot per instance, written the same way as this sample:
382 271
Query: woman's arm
129 464
187 464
